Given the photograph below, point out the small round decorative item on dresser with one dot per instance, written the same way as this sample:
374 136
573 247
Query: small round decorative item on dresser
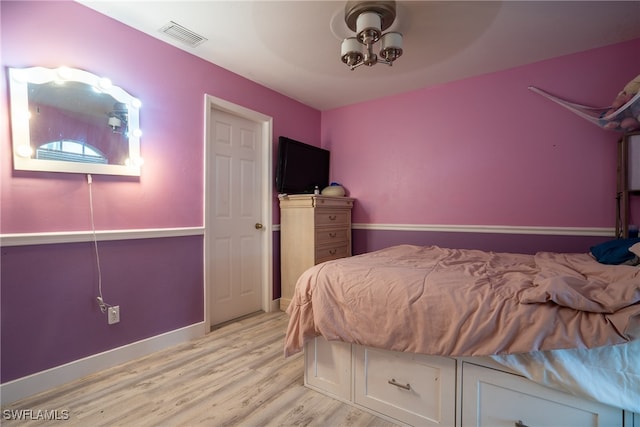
334 189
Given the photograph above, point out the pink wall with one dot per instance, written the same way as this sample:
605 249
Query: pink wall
485 150
171 85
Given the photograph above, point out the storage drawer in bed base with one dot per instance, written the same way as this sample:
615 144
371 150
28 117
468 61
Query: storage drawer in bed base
410 389
400 387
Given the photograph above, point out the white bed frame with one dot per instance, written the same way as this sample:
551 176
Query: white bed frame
420 390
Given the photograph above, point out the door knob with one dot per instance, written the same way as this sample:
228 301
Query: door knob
258 226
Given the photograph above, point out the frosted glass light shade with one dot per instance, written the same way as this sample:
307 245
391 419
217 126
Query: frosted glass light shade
351 51
391 46
114 122
368 20
350 45
368 24
392 40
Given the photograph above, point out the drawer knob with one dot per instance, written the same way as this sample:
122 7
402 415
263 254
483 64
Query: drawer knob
333 251
332 235
393 381
332 217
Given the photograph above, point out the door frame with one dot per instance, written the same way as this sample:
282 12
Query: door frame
212 104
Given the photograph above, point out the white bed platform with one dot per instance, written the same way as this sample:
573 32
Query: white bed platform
420 390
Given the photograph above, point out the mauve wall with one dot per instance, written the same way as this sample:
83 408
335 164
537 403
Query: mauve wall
49 314
485 151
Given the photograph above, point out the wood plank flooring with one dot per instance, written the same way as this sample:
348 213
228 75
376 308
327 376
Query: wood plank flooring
235 376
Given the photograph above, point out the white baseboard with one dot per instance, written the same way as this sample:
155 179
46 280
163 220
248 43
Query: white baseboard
45 380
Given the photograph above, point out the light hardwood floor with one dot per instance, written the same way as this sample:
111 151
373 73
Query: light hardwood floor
234 376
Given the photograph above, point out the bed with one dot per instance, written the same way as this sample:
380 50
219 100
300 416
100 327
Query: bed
566 321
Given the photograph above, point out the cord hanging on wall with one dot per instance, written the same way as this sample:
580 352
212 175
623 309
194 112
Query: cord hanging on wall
99 298
104 307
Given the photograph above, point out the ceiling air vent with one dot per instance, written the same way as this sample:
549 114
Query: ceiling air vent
182 34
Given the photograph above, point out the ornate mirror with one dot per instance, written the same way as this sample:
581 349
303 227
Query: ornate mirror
70 120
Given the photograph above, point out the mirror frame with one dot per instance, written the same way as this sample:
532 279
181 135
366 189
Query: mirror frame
19 79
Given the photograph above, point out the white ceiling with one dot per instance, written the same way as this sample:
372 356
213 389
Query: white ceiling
293 47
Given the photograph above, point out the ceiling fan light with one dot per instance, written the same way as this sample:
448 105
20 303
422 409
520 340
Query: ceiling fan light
368 19
114 122
368 24
351 51
349 45
391 46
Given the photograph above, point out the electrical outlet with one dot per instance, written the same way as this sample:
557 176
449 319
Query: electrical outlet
114 314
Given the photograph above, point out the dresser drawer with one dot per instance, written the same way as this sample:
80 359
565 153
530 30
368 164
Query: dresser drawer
326 217
329 252
328 201
332 235
412 388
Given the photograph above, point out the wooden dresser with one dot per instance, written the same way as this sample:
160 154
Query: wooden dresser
313 229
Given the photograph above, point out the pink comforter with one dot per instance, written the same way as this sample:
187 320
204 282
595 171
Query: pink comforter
466 302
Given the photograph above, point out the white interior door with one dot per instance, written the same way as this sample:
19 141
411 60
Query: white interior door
235 217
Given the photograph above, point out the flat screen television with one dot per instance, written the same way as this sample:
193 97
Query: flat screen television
301 167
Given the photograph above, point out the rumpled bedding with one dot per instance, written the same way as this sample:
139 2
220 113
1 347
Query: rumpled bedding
457 302
610 375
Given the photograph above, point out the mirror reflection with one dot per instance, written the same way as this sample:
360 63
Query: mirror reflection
69 120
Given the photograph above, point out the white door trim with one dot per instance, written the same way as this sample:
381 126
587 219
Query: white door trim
214 103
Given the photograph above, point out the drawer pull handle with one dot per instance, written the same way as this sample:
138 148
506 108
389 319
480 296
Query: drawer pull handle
393 381
332 235
521 424
332 217
333 251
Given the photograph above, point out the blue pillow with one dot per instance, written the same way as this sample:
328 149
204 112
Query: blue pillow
614 252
